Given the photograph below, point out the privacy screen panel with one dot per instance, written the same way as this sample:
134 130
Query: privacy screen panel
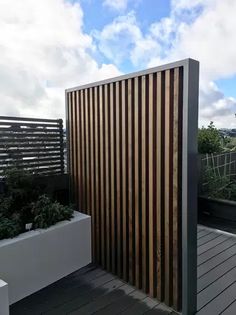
125 163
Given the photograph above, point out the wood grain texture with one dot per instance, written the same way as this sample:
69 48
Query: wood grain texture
113 179
97 174
118 181
132 161
159 186
106 178
167 189
145 275
124 178
92 170
102 174
130 182
137 206
150 188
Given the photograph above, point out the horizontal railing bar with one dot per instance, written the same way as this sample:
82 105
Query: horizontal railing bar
32 148
29 119
5 123
21 135
30 165
22 146
37 150
10 141
34 159
16 156
21 130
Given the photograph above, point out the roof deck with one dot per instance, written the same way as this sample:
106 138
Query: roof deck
91 290
216 272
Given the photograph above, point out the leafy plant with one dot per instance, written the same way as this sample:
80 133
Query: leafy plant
209 140
20 191
47 213
23 202
9 228
217 186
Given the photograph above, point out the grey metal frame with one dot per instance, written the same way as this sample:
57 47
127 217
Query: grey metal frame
189 186
189 171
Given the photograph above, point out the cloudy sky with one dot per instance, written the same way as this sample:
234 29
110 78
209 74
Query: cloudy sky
49 45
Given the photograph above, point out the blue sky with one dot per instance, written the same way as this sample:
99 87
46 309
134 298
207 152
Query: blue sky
96 16
48 46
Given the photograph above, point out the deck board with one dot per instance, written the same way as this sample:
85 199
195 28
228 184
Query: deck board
92 290
216 273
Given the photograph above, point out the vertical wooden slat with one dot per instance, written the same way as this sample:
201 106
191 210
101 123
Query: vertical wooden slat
143 193
118 181
74 155
107 184
150 188
113 179
87 158
102 172
78 151
82 151
136 183
92 170
70 119
159 183
97 178
130 182
176 223
168 229
124 181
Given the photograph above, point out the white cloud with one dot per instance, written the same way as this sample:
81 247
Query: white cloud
200 29
116 4
43 50
215 106
123 40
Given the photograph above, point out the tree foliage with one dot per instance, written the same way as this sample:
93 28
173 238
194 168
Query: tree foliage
209 140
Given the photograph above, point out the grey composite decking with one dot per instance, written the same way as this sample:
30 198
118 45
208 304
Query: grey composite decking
216 272
91 290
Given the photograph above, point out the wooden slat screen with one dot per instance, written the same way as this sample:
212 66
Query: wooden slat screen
32 144
125 157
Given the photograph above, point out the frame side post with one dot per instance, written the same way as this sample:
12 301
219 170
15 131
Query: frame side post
189 188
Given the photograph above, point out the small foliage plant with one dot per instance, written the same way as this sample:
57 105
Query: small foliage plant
23 202
210 140
218 186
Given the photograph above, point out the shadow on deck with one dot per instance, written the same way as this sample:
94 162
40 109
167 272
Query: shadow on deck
91 290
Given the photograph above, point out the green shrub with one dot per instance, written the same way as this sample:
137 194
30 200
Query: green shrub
47 213
217 186
20 192
9 228
209 140
23 202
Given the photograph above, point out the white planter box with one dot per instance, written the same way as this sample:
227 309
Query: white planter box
4 302
38 258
